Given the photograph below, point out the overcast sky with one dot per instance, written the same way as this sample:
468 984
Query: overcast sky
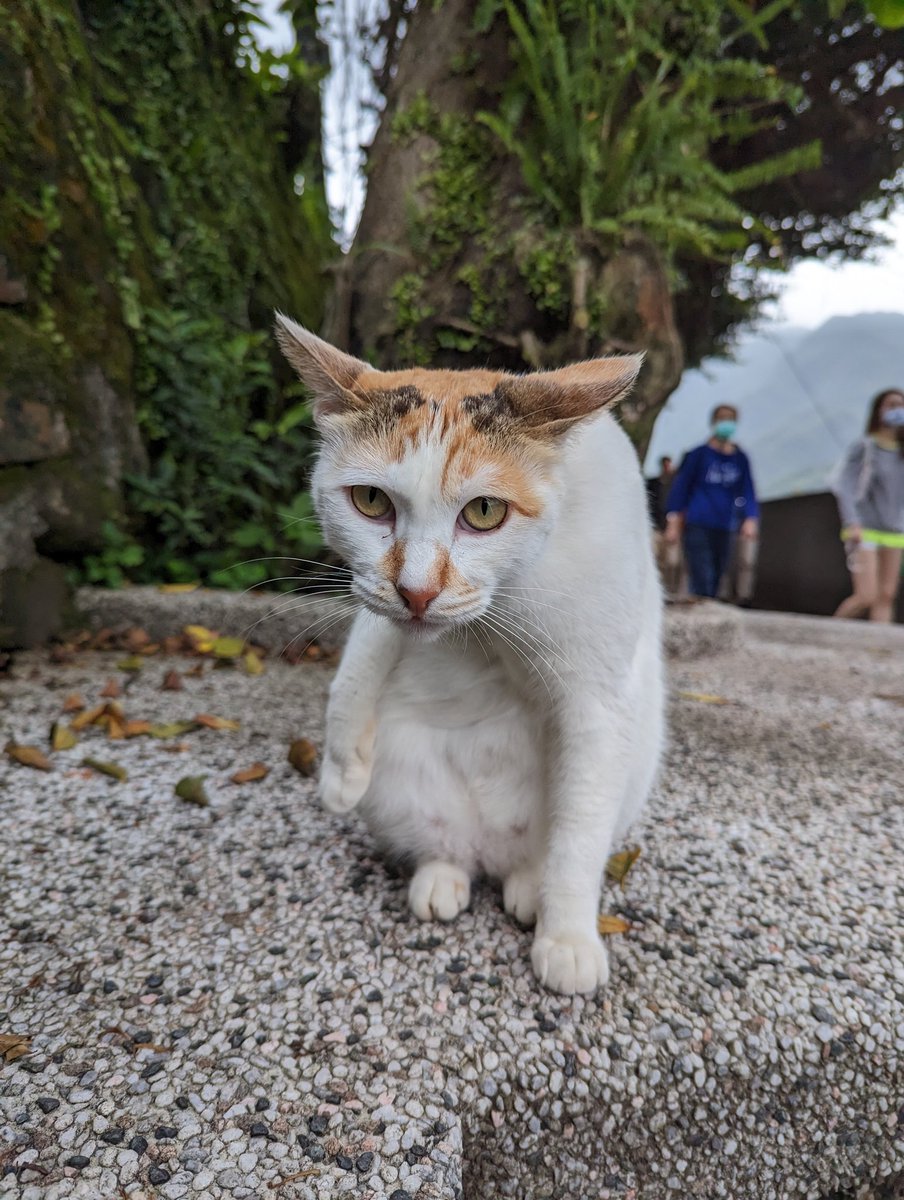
810 293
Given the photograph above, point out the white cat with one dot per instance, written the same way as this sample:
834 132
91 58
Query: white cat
499 704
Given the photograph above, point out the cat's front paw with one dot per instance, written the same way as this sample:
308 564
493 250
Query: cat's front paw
343 784
570 962
521 894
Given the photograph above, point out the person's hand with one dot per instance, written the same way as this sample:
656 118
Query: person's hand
853 534
672 533
750 528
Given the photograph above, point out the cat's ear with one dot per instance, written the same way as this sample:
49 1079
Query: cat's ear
548 403
327 373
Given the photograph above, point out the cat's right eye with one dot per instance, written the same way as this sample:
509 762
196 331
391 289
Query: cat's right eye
371 501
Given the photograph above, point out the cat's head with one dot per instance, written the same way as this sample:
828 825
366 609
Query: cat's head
439 487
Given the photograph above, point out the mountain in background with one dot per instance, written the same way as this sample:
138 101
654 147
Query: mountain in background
803 396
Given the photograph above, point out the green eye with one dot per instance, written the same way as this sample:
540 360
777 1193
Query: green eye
371 501
484 513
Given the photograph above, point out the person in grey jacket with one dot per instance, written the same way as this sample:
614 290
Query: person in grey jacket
869 488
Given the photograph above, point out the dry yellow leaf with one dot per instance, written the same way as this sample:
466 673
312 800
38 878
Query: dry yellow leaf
249 774
303 756
178 588
14 1045
210 722
606 923
62 737
253 664
704 698
28 756
114 770
620 864
228 647
199 633
191 788
88 717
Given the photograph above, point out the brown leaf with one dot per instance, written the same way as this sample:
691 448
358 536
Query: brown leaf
191 788
250 774
112 691
607 923
891 698
171 729
305 1174
620 864
73 703
88 717
196 671
14 1045
236 919
62 737
172 682
303 756
114 770
136 639
136 728
28 756
210 722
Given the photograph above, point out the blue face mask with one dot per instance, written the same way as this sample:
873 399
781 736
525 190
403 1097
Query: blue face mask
894 418
725 430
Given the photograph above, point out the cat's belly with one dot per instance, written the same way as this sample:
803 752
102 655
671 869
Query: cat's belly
458 763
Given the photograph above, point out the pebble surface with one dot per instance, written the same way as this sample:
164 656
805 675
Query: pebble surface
234 1001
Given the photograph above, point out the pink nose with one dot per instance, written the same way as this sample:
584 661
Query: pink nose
417 601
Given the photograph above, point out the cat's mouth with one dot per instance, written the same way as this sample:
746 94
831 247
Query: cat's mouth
425 626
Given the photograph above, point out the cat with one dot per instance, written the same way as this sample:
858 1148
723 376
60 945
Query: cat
498 708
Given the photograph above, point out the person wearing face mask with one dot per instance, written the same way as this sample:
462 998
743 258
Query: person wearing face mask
711 500
869 488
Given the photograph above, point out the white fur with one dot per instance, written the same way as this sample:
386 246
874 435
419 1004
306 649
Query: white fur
518 732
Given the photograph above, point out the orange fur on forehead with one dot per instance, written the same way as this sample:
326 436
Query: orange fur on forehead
432 385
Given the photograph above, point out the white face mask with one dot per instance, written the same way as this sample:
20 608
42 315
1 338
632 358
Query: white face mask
894 418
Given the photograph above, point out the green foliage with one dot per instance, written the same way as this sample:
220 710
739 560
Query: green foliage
613 109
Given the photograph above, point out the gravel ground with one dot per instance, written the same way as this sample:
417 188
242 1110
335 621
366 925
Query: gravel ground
234 1002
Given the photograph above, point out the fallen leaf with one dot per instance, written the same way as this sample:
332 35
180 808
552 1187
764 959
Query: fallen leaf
133 662
88 717
28 756
620 864
313 652
171 729
62 737
253 664
704 698
196 671
178 588
250 774
114 770
305 1174
14 1045
172 682
303 756
112 691
236 919
606 923
73 703
199 633
891 698
228 647
116 726
136 640
191 788
136 728
210 722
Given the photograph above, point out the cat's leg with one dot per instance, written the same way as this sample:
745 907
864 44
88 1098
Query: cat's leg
371 653
439 891
589 773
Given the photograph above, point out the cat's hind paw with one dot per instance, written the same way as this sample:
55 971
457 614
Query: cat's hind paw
521 894
342 787
439 891
570 962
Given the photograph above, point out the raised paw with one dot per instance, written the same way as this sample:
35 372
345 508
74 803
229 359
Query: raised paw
342 785
570 962
439 891
521 894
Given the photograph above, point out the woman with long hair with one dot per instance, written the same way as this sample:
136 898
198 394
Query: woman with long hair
870 491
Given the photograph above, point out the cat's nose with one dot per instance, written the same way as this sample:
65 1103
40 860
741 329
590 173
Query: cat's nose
417 600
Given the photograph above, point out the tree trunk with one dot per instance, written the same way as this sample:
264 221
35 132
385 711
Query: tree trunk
450 268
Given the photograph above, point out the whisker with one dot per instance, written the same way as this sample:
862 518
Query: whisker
522 637
506 637
334 619
292 606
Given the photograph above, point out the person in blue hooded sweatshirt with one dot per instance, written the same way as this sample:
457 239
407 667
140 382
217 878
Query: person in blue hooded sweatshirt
711 500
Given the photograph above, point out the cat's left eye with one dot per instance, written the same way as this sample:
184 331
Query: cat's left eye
371 501
484 513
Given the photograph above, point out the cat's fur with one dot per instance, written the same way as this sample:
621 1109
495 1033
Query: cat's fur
508 720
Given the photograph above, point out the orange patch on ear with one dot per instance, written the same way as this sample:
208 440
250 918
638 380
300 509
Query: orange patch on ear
393 561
